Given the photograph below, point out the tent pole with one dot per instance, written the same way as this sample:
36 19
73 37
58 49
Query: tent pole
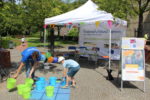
109 47
110 77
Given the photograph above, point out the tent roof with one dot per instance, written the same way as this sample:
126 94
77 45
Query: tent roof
86 13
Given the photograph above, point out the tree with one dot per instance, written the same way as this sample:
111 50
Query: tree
10 19
37 11
1 3
118 8
126 8
140 7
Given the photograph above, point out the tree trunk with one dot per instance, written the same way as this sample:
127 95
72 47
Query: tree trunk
0 40
52 39
140 26
41 36
58 28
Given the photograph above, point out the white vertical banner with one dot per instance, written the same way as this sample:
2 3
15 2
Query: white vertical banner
133 60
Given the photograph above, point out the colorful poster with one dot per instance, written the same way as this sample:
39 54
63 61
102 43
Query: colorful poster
133 43
133 65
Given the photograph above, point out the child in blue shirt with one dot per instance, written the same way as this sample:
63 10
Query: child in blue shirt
71 67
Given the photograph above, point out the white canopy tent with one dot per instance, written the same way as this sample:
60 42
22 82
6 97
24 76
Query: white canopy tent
87 13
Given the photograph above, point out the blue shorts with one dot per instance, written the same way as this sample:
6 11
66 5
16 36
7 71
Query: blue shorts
72 71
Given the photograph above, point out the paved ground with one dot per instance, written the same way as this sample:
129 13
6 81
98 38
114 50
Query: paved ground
91 83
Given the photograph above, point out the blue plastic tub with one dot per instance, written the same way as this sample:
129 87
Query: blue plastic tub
41 79
40 85
52 81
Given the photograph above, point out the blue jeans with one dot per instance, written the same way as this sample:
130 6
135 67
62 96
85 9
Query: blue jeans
28 64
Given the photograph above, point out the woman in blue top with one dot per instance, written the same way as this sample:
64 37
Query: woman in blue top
30 59
71 67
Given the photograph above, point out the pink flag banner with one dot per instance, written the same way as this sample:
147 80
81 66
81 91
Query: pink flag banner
109 23
45 26
70 23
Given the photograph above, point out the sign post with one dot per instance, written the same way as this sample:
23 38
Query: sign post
133 60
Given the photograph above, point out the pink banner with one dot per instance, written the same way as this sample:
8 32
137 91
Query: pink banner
109 23
45 26
70 23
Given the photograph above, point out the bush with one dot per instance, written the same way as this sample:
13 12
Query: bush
73 32
5 43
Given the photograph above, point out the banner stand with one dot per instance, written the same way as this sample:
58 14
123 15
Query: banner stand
133 60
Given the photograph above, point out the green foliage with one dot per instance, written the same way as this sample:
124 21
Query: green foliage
73 32
29 15
119 8
10 19
5 43
8 39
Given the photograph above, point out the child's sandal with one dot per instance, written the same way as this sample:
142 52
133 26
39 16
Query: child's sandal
64 87
73 86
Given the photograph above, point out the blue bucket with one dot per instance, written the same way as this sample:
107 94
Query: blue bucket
55 60
39 85
63 82
41 79
52 81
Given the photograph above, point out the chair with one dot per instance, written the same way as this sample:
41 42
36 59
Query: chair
71 52
72 48
106 66
82 53
106 60
94 55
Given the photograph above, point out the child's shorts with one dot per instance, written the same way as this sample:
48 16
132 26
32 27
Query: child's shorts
72 71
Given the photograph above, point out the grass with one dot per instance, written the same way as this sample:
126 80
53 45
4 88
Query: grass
33 41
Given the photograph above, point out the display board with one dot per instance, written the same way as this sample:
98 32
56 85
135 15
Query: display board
133 65
133 60
99 36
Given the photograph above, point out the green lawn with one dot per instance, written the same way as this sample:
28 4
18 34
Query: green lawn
32 42
35 42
